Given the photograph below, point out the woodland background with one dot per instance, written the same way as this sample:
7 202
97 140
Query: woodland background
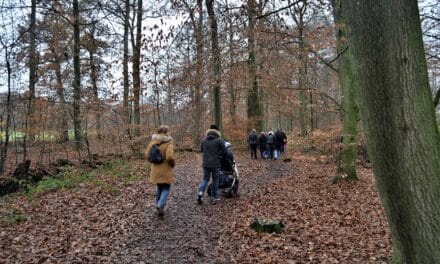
84 84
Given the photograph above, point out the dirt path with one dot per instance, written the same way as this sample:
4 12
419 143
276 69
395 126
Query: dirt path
189 233
115 222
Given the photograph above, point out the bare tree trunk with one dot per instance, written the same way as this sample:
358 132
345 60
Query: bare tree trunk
231 89
254 112
348 156
198 120
136 71
64 135
77 78
299 19
396 107
5 143
126 111
217 65
157 93
32 73
94 79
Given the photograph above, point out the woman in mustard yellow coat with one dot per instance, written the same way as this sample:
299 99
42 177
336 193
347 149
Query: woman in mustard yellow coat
162 174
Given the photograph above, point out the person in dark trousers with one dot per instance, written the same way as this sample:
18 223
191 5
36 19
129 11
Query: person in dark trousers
262 144
279 142
253 143
271 144
162 174
213 148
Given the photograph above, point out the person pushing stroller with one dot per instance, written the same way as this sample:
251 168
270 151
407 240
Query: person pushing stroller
228 176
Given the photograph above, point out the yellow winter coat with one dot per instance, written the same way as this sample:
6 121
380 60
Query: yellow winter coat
163 172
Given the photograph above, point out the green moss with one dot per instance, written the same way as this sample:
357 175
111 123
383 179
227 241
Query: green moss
11 217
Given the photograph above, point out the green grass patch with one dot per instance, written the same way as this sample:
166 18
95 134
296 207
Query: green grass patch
11 217
68 178
105 177
118 170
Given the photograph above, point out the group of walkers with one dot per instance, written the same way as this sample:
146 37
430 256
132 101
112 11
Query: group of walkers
271 144
217 154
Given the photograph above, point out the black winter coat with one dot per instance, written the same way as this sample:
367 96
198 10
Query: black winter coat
253 138
262 141
213 148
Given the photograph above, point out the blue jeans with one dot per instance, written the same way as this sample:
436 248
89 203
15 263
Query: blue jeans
163 190
207 173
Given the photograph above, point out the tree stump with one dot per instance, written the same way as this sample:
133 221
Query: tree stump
267 225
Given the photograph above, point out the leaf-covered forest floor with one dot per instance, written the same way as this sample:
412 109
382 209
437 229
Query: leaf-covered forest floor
93 223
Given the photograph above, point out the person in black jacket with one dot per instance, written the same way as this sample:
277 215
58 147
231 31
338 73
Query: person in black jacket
262 143
253 143
213 148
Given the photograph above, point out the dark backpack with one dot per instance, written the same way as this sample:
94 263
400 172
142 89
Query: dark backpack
270 139
155 155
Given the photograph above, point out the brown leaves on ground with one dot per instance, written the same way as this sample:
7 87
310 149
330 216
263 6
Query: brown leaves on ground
324 223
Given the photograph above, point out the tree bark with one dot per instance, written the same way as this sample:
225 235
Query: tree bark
4 144
254 111
77 78
64 134
136 71
197 92
32 73
94 79
125 107
399 122
348 156
231 88
216 64
300 8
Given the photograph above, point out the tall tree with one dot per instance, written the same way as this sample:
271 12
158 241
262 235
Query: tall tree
197 25
92 45
77 77
7 123
298 15
136 70
348 156
254 111
32 70
126 92
216 64
398 116
233 91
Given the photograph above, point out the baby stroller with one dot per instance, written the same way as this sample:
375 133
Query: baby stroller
228 178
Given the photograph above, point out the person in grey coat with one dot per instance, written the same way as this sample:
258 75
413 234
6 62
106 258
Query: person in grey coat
213 149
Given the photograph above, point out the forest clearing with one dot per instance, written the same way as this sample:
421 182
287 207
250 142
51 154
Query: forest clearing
93 223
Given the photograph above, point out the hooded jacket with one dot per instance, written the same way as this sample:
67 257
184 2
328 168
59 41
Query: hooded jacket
213 148
163 172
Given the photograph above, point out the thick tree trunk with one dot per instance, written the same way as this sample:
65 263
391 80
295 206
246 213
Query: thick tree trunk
136 72
348 156
77 78
254 112
126 111
399 122
216 65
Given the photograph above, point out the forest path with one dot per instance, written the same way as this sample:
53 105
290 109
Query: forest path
190 233
113 220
